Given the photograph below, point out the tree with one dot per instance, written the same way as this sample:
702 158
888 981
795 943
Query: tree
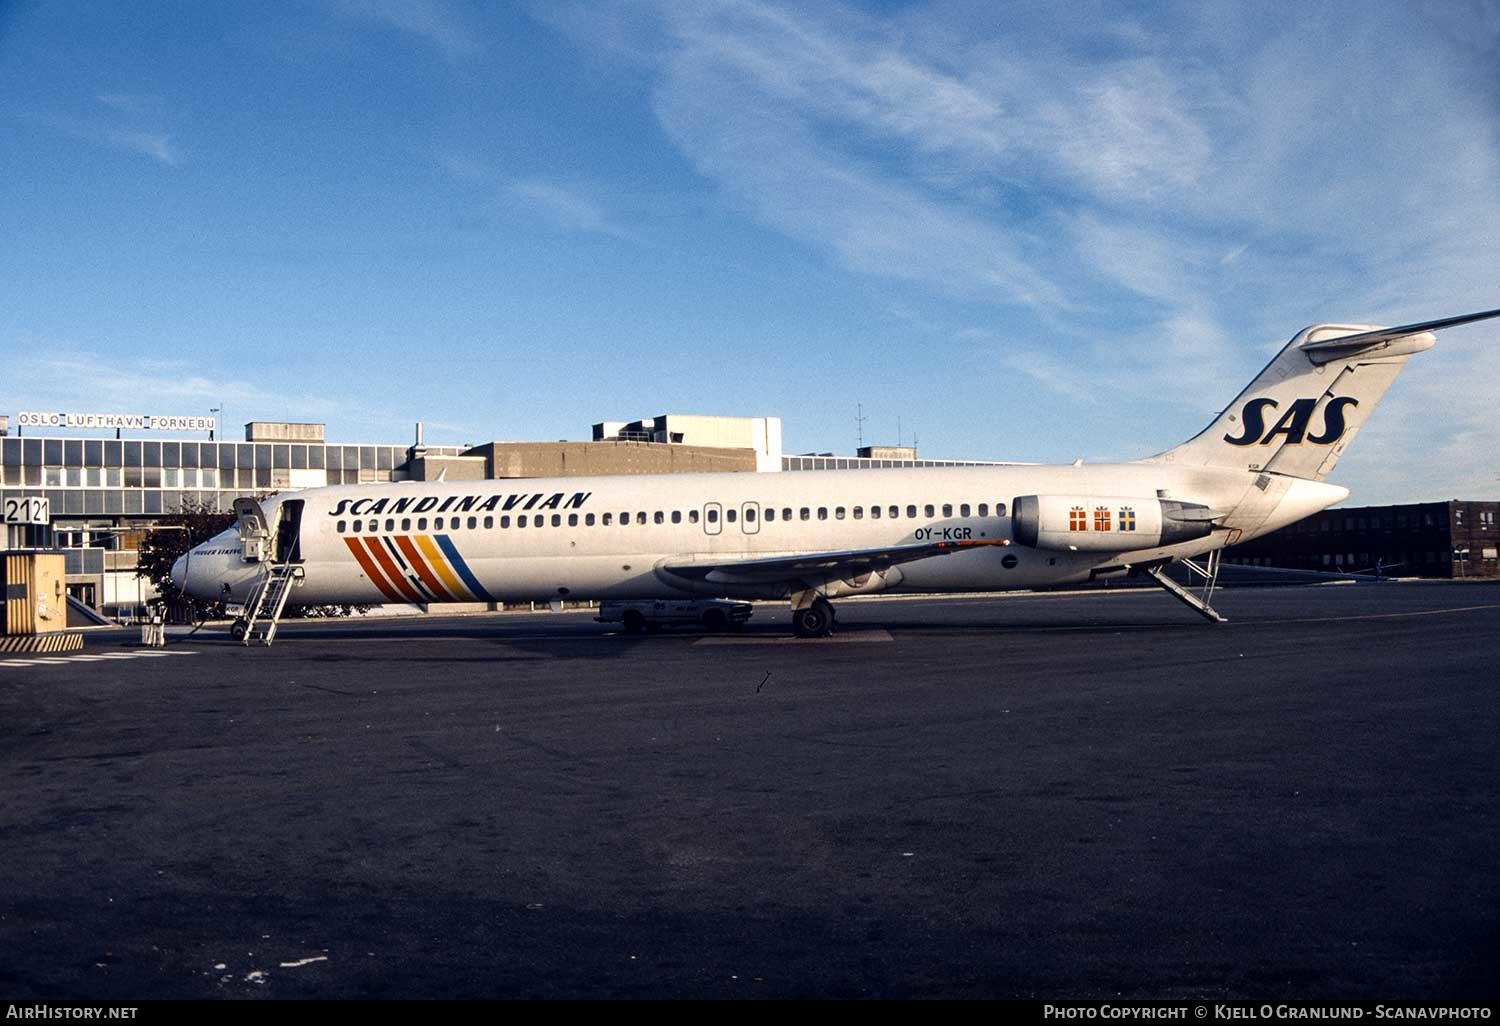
171 537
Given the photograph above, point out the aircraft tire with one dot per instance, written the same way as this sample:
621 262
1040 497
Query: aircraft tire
633 622
816 621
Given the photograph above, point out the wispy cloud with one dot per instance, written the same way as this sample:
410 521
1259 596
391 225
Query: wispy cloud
156 145
432 21
129 123
1192 187
67 377
567 206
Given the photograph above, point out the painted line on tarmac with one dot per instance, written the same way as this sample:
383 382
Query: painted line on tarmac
842 638
1380 616
91 658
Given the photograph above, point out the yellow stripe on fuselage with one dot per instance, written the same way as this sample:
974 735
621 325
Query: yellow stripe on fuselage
438 563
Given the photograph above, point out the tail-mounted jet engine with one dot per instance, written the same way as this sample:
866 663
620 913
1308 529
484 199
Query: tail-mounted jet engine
1106 523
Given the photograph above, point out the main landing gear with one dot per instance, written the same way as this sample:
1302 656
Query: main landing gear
814 620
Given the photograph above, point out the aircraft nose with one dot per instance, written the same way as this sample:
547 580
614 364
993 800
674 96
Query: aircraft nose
179 573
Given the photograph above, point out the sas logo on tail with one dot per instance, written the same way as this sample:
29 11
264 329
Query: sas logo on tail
1293 423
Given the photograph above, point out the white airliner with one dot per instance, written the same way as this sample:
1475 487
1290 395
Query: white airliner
812 536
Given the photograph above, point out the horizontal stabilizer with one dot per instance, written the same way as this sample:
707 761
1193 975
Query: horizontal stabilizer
1345 345
1301 412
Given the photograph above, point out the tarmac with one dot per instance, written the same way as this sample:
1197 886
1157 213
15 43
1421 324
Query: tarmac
1048 796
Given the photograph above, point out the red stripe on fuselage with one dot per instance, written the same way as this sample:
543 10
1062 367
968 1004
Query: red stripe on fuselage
372 571
392 570
423 570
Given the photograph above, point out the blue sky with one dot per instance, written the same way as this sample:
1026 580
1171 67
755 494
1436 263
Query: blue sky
1017 231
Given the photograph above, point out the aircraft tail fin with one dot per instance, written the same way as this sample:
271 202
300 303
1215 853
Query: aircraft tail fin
1299 414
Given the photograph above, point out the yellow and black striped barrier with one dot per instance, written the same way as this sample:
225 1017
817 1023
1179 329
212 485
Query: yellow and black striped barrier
34 643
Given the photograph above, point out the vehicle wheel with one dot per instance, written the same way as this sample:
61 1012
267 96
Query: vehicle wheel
816 621
714 620
633 622
237 630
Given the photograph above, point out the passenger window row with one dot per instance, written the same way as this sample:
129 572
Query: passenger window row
641 518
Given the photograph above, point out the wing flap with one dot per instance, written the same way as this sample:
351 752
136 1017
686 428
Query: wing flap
842 563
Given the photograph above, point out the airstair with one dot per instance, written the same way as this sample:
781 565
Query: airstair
1202 602
263 612
278 553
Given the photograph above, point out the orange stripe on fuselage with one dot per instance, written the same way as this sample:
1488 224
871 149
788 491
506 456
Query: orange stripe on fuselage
372 571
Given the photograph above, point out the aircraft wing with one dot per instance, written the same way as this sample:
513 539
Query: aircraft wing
844 563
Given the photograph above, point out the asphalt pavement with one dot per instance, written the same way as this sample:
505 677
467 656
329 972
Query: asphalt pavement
1055 796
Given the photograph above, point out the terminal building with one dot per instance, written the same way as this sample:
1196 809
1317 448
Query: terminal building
1451 539
104 495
